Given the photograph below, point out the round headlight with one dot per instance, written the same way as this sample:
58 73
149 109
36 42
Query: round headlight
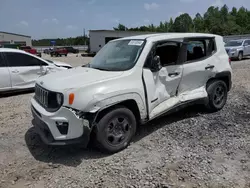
59 98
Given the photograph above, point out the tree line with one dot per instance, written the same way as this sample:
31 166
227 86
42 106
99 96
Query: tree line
221 21
80 40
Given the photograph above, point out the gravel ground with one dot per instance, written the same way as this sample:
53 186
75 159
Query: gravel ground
186 149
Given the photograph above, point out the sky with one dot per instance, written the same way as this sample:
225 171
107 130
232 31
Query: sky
68 18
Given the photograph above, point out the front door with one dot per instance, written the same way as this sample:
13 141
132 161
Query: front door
161 86
24 69
246 47
5 81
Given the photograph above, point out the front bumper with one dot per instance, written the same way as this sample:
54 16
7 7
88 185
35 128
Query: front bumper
75 130
232 54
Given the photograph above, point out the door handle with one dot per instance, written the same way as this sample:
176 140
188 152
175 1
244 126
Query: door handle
173 74
15 71
208 67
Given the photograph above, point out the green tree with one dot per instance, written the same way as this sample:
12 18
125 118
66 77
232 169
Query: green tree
121 28
183 23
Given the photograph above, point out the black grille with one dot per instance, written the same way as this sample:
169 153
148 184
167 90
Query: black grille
227 50
42 96
46 98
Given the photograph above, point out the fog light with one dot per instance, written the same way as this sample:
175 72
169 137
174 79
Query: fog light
62 127
60 123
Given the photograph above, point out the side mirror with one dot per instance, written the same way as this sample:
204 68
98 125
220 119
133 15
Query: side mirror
156 64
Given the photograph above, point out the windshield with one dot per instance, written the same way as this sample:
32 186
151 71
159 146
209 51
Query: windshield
49 60
118 55
234 43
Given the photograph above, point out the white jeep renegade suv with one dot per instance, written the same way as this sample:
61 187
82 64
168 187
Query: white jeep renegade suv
129 82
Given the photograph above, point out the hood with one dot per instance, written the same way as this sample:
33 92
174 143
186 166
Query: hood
232 47
75 77
59 63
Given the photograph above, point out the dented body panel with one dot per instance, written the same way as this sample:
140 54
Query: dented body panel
22 73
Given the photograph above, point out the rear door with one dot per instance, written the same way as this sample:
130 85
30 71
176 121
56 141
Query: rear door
24 69
5 81
198 67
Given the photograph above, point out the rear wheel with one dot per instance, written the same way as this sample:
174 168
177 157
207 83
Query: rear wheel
217 95
115 130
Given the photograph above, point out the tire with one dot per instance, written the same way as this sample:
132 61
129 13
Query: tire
217 95
115 130
240 56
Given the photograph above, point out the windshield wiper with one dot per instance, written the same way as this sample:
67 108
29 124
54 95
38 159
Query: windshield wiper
86 65
100 69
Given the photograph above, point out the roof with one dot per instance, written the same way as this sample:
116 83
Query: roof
161 36
127 31
15 34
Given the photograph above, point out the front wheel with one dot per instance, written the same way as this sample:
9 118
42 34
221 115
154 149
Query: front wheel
217 95
115 130
240 56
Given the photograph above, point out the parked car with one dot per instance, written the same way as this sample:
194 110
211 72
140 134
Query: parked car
238 49
19 69
58 52
47 51
129 82
70 49
60 64
30 50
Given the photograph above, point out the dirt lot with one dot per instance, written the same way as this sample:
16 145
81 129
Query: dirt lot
186 149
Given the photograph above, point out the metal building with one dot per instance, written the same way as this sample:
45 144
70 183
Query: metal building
13 38
98 38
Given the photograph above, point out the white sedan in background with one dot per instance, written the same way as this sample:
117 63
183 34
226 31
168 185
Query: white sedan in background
19 69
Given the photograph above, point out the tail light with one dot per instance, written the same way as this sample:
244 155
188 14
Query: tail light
229 60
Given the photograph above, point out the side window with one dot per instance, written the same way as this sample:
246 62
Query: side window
200 49
168 53
195 50
2 61
20 60
247 42
210 47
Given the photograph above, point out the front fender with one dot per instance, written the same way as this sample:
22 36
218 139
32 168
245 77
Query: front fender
101 102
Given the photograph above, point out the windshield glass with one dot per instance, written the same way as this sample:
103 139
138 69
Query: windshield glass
118 55
234 43
49 60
